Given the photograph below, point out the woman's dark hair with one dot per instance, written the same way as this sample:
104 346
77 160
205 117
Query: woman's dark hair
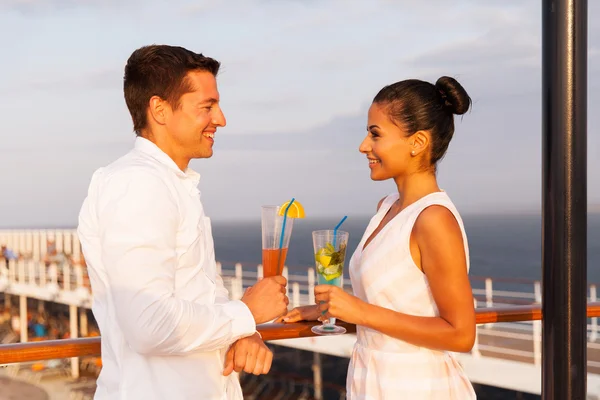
160 70
416 105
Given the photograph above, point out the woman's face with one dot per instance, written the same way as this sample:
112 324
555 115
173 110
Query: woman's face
386 146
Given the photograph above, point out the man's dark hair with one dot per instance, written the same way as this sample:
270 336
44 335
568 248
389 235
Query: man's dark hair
160 70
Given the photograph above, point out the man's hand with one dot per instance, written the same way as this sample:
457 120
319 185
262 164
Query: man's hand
250 354
267 299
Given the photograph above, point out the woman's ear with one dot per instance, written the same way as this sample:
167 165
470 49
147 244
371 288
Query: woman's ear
419 142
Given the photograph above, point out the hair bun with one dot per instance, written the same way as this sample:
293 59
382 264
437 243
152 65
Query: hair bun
454 95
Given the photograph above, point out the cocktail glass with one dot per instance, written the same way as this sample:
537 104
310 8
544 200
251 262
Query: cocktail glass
330 255
273 256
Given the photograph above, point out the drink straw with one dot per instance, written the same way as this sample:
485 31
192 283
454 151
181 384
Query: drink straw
336 229
282 233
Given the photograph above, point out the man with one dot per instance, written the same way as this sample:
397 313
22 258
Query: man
168 327
8 255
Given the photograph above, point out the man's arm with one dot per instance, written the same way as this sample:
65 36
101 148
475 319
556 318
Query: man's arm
139 221
222 294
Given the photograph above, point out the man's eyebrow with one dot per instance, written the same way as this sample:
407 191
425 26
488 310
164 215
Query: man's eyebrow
211 100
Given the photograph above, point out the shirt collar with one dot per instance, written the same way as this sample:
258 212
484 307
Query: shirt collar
147 147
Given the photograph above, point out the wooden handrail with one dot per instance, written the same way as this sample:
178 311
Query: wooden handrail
66 348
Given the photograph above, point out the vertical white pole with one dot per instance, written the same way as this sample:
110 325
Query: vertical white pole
74 334
68 243
31 272
58 235
311 286
594 298
21 265
317 376
43 243
489 297
295 294
29 243
12 271
42 272
23 316
36 246
22 243
475 350
66 270
76 247
83 322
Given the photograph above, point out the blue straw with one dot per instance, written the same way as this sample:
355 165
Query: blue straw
336 229
283 232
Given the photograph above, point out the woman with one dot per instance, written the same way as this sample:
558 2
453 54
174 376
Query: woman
413 303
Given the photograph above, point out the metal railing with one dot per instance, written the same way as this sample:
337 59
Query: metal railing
67 348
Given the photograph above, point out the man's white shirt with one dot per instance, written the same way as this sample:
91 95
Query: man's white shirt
164 315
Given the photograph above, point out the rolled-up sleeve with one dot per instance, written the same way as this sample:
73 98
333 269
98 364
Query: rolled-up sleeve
138 219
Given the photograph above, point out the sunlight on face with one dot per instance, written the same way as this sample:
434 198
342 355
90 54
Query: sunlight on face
194 123
386 146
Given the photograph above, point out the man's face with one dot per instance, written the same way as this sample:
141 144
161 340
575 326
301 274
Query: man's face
194 123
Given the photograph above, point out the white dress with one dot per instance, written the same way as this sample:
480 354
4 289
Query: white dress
384 274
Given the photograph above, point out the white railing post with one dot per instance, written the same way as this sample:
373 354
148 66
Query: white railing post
76 246
537 342
9 240
475 350
489 293
219 268
79 276
74 334
66 270
83 322
36 246
295 294
259 272
4 271
68 243
22 243
594 298
21 265
537 292
23 318
53 272
43 244
31 273
537 327
58 240
311 286
12 271
239 273
238 281
42 268
489 297
317 376
29 243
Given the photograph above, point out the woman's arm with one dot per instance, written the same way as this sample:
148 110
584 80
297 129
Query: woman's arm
443 261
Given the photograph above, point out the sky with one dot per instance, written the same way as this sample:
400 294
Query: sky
296 82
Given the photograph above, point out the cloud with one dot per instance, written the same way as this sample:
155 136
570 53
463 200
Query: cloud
29 7
104 79
288 67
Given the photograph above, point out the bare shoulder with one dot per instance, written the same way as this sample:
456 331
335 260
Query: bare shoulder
434 222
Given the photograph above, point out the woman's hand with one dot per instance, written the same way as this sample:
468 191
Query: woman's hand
333 301
304 313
